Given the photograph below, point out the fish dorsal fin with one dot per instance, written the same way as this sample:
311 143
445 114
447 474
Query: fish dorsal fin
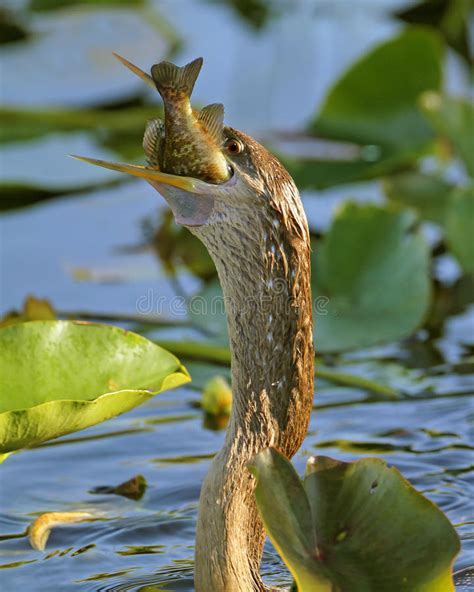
212 119
168 76
154 133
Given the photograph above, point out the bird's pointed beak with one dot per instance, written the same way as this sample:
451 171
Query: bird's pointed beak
189 198
152 175
136 70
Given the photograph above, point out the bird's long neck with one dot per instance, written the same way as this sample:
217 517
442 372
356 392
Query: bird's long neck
264 270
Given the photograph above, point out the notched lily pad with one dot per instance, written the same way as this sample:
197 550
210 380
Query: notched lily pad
59 377
353 526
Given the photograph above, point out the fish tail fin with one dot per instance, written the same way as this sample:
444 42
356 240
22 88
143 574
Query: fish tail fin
168 76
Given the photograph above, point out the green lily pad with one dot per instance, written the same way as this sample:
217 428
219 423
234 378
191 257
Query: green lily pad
373 269
353 527
428 194
59 377
375 102
452 118
460 225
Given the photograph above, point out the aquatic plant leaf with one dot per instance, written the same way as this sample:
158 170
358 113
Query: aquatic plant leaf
34 309
450 17
428 194
459 227
45 5
22 123
133 488
353 526
59 377
40 529
375 101
373 269
315 173
452 118
286 514
217 396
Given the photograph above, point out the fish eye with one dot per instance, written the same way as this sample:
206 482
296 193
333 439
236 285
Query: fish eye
234 146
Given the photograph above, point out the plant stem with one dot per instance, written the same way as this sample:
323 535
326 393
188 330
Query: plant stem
221 355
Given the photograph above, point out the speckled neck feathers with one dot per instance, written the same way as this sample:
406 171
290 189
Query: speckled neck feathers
261 252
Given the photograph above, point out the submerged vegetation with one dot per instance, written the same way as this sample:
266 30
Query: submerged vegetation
376 282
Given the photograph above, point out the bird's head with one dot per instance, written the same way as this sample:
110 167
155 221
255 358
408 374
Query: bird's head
194 202
248 195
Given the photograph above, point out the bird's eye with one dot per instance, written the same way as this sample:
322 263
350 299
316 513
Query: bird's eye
234 146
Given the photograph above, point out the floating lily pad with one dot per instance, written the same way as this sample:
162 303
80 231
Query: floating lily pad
375 102
460 226
354 527
59 377
373 268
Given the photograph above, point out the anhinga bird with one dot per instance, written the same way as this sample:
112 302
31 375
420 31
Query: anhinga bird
254 227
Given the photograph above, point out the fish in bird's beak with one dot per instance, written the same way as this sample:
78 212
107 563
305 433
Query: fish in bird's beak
185 153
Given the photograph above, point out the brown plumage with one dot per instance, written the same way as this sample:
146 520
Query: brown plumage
255 229
262 254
